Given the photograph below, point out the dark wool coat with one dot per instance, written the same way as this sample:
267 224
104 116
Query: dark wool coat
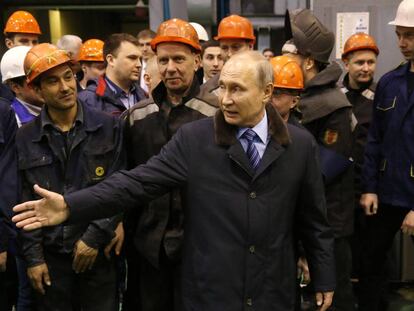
239 224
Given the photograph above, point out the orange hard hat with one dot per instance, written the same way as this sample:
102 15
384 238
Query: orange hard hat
41 58
235 27
176 30
22 22
91 51
359 41
286 73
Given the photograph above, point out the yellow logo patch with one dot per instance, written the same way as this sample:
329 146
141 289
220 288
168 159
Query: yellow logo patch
99 171
330 137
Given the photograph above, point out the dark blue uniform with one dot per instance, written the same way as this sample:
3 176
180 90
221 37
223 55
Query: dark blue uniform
65 162
388 171
8 196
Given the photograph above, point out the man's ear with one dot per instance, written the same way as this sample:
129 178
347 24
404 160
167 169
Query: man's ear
309 63
109 59
197 61
13 86
147 79
268 92
295 102
36 88
346 63
9 43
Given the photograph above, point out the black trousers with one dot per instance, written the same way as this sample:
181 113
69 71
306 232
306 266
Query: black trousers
377 241
92 290
8 285
343 298
160 288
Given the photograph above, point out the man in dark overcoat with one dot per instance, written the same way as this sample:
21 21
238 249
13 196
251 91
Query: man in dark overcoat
250 182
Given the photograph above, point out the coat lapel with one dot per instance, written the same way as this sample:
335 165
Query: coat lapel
238 155
272 153
225 135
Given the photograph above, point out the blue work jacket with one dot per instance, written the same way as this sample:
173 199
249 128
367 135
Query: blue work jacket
389 155
95 153
8 172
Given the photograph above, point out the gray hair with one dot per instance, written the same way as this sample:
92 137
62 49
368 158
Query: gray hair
69 43
262 67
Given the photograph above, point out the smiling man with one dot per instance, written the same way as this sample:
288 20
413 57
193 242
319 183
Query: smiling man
118 90
66 148
150 125
249 183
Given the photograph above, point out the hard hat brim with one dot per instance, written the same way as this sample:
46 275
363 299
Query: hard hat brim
396 23
165 39
218 38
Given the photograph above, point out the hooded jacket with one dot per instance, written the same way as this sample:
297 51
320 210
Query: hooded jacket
327 114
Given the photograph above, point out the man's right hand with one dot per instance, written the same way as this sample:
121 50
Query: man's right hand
39 275
369 202
51 210
3 261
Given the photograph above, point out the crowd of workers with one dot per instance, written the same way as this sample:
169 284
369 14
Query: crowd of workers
171 171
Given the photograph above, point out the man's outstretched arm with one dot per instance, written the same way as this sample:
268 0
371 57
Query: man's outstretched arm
120 191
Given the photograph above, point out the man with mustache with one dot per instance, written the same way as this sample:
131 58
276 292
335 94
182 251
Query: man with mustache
158 234
388 171
118 90
67 147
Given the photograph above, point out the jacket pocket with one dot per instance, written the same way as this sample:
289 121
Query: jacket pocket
387 104
26 163
36 169
98 162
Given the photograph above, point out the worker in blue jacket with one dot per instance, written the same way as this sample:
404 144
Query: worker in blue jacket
8 193
388 172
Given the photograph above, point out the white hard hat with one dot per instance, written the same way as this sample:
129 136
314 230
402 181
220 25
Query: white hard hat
11 64
405 14
201 32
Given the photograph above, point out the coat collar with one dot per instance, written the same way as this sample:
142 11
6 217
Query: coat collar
402 69
159 94
90 121
225 134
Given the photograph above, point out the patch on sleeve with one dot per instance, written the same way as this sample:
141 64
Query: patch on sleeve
330 137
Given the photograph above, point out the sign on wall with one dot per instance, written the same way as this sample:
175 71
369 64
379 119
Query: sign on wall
348 23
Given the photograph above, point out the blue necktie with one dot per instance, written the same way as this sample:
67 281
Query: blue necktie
251 151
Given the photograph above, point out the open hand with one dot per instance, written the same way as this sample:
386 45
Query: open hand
51 210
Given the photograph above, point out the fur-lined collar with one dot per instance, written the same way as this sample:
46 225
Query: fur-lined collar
225 134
